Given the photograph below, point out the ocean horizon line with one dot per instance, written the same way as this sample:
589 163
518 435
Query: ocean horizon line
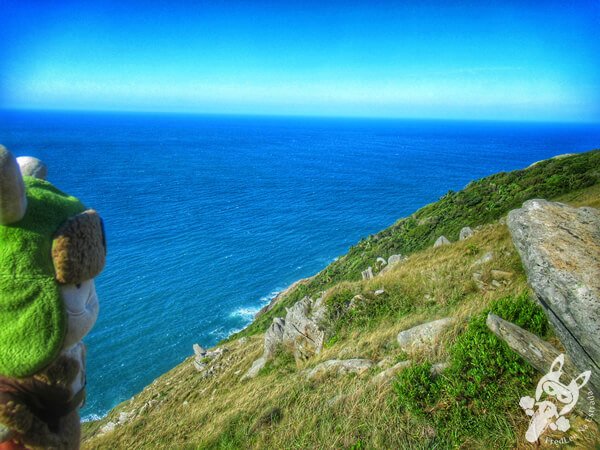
316 117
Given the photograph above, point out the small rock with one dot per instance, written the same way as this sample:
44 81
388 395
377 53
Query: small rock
379 292
501 275
242 341
496 283
32 167
486 258
185 403
385 362
256 366
367 274
124 417
395 259
442 240
340 367
388 374
465 233
199 365
422 337
381 261
108 428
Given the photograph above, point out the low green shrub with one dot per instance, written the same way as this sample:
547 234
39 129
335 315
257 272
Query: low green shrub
480 390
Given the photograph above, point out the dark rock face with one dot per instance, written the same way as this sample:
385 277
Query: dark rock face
560 249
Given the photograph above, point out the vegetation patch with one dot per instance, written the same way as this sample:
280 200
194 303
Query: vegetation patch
480 202
478 395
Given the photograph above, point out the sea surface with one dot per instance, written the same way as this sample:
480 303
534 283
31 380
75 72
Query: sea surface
208 217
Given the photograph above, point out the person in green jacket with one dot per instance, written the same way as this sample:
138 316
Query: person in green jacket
51 248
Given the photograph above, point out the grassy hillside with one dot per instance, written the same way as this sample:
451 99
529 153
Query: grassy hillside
472 404
481 202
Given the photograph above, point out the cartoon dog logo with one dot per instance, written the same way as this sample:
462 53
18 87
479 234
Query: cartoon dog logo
547 415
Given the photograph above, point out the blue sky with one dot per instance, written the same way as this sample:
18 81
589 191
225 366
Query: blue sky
509 60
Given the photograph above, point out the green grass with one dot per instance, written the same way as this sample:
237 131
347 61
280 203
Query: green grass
481 202
480 391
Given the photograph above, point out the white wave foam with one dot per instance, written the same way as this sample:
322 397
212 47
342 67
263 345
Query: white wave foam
92 418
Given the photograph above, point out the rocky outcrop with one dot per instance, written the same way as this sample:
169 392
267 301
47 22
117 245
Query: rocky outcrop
339 367
204 360
299 333
560 249
465 232
537 352
395 259
367 274
422 337
387 375
442 240
281 295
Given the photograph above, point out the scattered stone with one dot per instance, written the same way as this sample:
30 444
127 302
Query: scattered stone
560 249
108 428
381 261
242 341
501 275
367 274
32 167
355 301
385 362
395 259
199 351
537 352
486 258
124 417
339 367
379 292
496 284
465 233
422 337
199 365
255 368
442 240
438 368
387 375
185 403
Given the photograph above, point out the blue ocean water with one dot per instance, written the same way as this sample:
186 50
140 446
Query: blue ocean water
208 217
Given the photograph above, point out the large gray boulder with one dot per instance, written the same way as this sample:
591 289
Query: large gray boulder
560 249
423 337
301 333
274 337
